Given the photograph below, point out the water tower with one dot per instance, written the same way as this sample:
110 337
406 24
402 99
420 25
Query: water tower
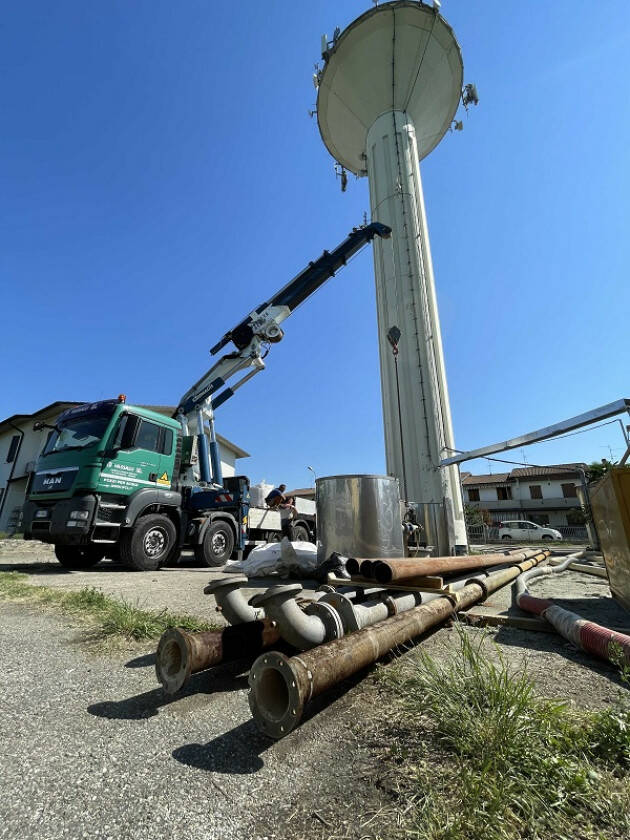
387 93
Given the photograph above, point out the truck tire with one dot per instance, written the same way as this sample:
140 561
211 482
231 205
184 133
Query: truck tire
79 556
148 544
301 534
217 546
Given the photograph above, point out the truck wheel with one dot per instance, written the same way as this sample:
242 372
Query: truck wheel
79 556
217 546
301 534
147 546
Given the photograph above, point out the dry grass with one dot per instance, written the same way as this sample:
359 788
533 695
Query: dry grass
107 617
476 755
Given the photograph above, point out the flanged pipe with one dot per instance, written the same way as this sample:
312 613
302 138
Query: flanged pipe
302 628
181 654
280 687
228 595
356 616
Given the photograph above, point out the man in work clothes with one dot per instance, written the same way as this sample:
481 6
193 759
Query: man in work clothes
276 500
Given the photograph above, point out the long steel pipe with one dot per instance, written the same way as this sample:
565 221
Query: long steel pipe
388 570
280 687
181 654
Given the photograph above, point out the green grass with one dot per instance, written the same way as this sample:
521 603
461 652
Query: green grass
477 755
107 617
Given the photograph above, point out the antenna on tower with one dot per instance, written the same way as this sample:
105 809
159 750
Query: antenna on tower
470 95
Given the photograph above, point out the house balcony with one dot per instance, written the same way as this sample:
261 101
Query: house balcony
534 505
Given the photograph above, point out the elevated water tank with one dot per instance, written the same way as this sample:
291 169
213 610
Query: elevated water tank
358 516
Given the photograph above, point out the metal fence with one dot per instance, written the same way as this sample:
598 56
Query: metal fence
488 534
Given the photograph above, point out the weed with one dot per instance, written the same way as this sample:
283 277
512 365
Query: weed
109 617
491 760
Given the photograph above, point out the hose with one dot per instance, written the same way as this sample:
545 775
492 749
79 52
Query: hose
586 635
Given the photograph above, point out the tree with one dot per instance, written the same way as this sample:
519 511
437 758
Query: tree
596 470
474 516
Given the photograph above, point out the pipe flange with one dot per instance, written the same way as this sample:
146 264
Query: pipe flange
343 606
274 698
329 617
390 603
289 590
173 660
230 580
325 587
481 584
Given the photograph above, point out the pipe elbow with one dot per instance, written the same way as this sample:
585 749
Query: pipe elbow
303 629
229 597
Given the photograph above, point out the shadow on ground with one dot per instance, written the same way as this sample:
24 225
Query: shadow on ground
235 752
148 704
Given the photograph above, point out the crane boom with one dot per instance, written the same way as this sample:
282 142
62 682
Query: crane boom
261 327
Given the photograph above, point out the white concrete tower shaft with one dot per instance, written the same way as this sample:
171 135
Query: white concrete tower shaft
418 438
388 92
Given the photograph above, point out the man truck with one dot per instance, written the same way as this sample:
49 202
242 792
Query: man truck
121 481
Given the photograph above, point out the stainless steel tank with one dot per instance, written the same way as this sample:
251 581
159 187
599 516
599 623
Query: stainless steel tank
358 516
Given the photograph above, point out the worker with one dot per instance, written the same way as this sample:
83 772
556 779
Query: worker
276 500
276 497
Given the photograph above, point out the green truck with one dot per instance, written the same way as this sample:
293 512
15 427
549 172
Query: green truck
124 482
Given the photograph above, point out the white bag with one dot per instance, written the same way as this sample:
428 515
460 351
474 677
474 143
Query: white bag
283 558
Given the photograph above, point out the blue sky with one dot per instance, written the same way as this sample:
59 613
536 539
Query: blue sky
161 177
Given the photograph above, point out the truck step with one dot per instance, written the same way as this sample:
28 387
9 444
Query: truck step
112 505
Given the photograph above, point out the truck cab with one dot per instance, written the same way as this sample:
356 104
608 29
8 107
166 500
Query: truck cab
104 465
113 480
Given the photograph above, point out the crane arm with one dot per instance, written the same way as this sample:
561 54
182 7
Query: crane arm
261 327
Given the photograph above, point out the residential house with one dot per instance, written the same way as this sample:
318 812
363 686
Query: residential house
20 447
546 495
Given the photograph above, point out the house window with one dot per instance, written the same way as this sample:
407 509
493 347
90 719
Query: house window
569 491
504 493
13 446
473 494
535 491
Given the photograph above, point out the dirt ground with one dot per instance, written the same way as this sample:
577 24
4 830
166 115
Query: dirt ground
92 748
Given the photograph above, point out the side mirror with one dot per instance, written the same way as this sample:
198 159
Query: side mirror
37 427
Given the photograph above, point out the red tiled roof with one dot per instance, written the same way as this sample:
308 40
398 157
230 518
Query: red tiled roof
498 478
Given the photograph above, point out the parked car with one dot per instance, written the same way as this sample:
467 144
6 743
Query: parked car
524 531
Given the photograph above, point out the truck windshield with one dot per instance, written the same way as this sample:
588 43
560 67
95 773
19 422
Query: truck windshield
78 432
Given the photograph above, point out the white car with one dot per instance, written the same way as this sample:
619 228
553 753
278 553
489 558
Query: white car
524 531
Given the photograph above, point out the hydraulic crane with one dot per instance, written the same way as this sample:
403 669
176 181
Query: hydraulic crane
122 481
252 338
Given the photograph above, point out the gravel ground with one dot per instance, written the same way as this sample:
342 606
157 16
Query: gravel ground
178 588
90 748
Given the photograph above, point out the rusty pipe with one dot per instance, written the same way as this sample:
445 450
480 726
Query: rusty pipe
280 687
352 566
181 654
389 570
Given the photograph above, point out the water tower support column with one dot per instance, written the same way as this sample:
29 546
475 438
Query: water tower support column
405 296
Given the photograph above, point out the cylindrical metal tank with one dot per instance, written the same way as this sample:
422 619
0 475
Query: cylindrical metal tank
358 516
